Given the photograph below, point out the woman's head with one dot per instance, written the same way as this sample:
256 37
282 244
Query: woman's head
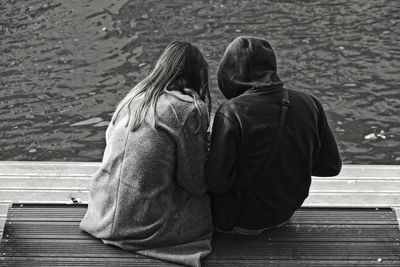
181 67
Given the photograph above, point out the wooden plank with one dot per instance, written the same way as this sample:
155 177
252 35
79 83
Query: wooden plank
316 199
292 232
3 209
76 183
95 262
327 185
39 168
334 215
358 171
59 182
53 182
355 186
107 262
3 215
397 211
46 182
74 213
43 196
33 168
2 224
388 177
222 250
359 199
319 236
306 250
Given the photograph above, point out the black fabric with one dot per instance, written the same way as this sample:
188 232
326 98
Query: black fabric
243 135
248 63
228 218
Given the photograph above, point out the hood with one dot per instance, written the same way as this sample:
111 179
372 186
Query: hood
248 63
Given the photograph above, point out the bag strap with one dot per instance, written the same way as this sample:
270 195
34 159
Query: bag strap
284 108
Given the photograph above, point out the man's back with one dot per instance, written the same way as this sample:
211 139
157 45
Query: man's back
244 132
253 119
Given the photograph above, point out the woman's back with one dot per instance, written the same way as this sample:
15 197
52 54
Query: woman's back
149 191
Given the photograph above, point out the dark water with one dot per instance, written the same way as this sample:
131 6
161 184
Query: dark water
65 62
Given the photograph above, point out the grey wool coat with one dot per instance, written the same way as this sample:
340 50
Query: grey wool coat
149 194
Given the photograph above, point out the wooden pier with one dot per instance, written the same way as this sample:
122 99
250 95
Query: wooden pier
351 216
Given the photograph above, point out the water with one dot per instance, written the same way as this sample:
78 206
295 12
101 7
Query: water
64 65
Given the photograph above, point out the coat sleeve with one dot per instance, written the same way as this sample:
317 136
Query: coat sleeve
328 162
192 154
221 163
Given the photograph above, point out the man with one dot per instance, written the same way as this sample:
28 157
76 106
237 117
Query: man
265 143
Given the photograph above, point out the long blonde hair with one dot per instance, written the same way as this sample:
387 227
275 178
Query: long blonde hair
180 67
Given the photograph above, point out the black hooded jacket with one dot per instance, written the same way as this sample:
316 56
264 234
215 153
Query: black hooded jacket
244 130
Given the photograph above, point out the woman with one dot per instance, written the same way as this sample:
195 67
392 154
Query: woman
149 194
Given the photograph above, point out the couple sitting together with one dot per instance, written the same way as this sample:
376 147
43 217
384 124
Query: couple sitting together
160 191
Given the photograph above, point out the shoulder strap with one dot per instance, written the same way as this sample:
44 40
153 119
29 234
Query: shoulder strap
284 108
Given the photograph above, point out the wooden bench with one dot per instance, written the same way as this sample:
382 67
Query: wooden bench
360 236
48 235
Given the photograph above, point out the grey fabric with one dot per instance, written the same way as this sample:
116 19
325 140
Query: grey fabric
149 194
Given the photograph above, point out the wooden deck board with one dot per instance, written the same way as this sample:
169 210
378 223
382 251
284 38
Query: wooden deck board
223 250
82 169
357 185
292 232
48 235
318 184
322 199
107 262
59 182
63 213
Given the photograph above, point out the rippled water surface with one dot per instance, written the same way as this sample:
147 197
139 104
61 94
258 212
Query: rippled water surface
64 65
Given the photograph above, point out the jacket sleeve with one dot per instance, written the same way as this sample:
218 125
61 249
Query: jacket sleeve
221 163
328 162
192 155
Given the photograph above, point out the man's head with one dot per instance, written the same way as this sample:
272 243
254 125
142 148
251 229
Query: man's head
248 62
